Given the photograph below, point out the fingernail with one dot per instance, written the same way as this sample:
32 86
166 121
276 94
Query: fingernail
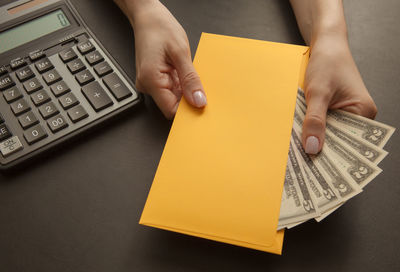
199 99
312 145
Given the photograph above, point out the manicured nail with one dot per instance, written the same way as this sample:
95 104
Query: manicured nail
199 99
312 145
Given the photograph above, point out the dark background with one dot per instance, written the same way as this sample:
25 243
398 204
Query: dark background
78 208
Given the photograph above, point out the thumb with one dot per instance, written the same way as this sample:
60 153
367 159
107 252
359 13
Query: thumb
189 80
314 123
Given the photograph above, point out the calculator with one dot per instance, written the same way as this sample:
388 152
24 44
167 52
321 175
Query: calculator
56 79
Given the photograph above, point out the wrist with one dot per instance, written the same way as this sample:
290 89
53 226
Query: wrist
135 8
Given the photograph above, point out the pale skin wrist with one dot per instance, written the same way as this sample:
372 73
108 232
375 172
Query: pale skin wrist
136 9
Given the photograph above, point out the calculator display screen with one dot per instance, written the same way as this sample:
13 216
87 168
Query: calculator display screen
32 30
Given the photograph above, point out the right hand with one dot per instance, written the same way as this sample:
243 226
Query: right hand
163 60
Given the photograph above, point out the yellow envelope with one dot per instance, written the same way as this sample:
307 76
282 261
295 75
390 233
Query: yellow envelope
222 170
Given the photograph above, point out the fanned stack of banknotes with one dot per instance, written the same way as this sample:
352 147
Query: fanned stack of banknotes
316 186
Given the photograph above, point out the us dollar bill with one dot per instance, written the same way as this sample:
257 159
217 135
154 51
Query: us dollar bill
372 131
297 202
344 187
325 196
371 152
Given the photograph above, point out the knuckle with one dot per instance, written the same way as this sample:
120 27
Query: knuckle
370 109
316 90
314 120
179 50
188 78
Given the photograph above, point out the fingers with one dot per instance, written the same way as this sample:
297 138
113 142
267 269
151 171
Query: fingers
161 87
189 79
314 122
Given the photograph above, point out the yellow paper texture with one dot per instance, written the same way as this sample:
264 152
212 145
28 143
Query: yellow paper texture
222 170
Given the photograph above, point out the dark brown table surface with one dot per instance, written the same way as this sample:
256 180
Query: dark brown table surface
78 208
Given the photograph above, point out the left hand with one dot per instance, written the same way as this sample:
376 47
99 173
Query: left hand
332 82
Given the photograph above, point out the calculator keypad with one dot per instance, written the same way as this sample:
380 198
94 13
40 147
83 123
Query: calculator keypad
56 94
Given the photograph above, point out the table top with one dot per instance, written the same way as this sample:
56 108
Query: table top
78 208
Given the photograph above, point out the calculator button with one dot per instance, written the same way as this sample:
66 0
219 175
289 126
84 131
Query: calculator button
77 113
75 66
102 69
96 96
57 123
44 65
51 77
84 77
68 101
10 146
94 58
85 47
27 120
24 73
12 94
32 85
35 55
60 88
20 106
3 70
48 110
116 87
4 132
67 55
6 82
35 134
40 97
16 63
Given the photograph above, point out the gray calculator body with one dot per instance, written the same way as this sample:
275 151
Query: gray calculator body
56 79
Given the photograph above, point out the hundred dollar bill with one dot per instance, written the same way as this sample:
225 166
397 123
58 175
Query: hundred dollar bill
299 207
371 152
372 131
344 187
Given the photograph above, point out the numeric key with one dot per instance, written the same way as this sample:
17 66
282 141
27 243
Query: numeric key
40 97
12 94
27 120
68 101
60 88
51 77
20 106
57 123
35 134
48 110
32 85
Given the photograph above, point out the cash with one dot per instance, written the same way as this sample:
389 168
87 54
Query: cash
317 185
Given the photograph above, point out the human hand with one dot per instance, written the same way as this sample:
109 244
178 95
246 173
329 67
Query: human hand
332 82
163 60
